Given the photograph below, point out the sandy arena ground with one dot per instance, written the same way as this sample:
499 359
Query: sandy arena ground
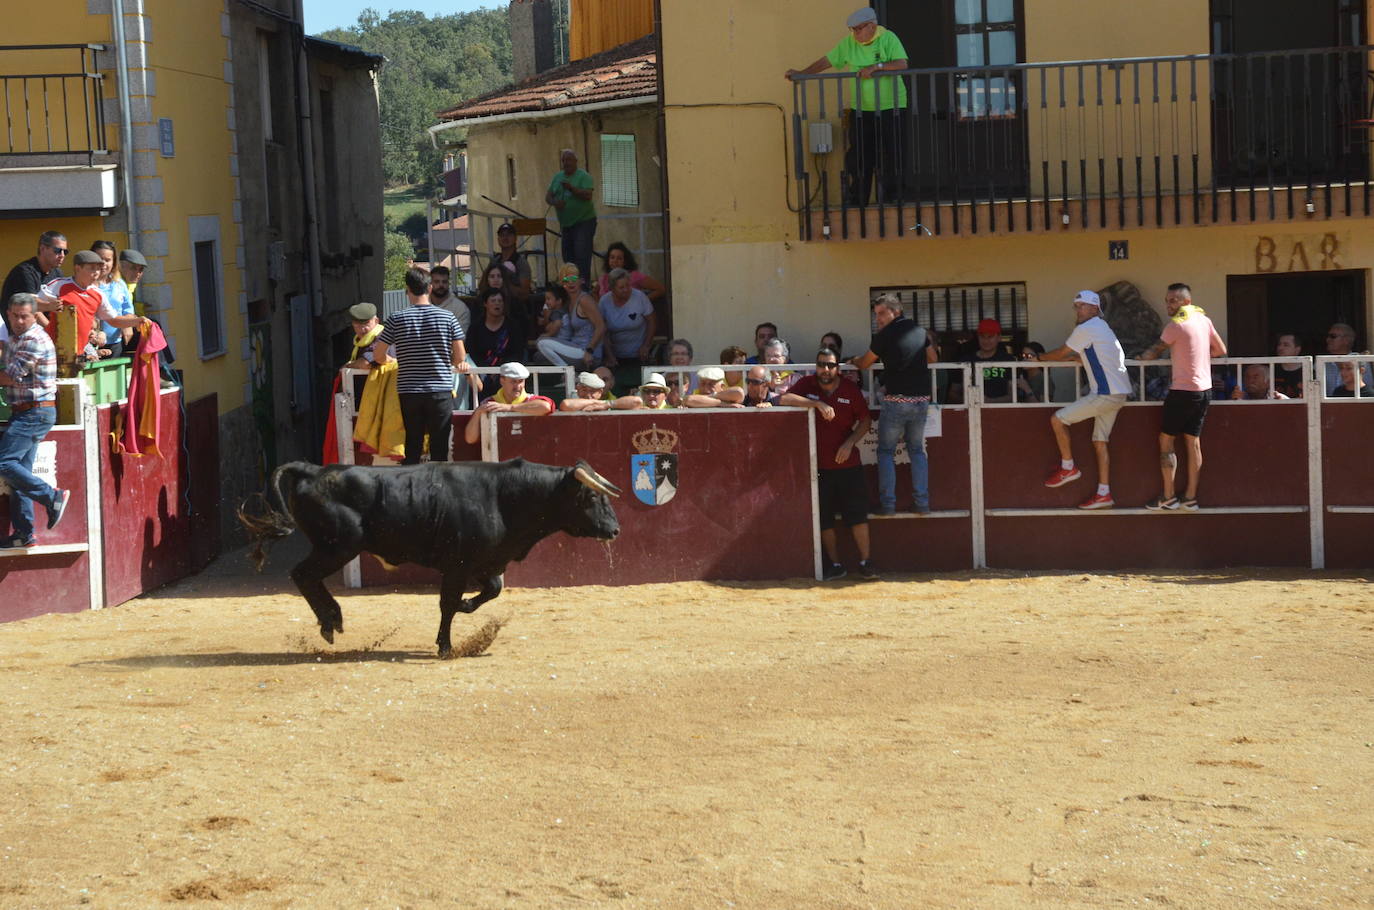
977 741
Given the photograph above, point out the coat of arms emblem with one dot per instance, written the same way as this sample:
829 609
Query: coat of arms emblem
653 472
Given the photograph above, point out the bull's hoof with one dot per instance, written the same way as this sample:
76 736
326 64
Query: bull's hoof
327 634
445 653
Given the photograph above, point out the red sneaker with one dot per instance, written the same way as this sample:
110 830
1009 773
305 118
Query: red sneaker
1098 501
1061 477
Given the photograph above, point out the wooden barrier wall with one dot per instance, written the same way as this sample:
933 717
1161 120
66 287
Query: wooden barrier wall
158 516
742 509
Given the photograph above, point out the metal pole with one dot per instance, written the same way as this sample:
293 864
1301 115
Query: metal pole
1313 386
126 122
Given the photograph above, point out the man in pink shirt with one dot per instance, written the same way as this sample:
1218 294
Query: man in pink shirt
1193 342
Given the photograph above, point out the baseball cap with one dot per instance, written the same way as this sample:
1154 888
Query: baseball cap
514 370
591 381
362 312
860 16
1088 297
710 374
655 381
989 327
87 257
506 226
134 257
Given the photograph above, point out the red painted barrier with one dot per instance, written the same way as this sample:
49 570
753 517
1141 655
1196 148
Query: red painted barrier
153 532
742 509
59 582
1348 480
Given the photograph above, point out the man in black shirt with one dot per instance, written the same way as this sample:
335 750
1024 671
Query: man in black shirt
906 354
986 356
1288 374
29 276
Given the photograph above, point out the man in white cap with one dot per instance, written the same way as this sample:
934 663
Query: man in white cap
589 395
653 394
1095 344
711 391
874 129
510 397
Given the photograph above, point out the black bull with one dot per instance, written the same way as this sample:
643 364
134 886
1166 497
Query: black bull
467 520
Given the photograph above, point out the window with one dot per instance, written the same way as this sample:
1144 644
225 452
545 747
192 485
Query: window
958 308
986 33
208 280
619 171
510 176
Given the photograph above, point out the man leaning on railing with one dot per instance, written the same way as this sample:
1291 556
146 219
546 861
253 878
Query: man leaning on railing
874 136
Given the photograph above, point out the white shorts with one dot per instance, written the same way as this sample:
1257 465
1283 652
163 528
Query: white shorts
1102 408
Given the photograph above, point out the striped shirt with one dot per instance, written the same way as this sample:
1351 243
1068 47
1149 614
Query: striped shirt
31 361
421 338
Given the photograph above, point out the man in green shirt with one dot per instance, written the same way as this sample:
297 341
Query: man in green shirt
570 193
876 103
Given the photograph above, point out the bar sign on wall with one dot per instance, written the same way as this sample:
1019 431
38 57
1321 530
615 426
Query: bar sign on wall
165 137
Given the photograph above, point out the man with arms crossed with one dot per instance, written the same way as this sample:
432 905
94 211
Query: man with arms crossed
1194 342
1094 343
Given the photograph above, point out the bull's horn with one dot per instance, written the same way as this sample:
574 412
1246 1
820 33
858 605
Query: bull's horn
595 481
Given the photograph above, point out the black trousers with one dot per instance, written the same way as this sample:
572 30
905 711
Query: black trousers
875 148
427 413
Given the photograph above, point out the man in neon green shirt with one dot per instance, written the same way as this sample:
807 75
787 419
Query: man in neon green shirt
570 192
874 123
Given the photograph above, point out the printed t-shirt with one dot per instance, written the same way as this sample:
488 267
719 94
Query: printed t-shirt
851 56
1102 356
901 346
422 340
1189 335
996 373
576 210
848 401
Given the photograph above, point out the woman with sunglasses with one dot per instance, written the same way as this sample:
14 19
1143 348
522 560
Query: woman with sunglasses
578 338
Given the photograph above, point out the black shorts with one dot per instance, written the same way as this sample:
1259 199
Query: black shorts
842 492
1184 412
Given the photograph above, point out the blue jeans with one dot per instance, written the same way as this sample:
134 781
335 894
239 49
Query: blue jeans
903 420
17 449
577 248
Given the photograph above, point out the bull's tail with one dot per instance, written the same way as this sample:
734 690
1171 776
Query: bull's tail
271 521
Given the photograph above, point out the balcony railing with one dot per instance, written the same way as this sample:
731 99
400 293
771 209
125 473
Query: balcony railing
1124 143
53 100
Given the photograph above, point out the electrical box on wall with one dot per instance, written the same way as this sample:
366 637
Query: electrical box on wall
822 136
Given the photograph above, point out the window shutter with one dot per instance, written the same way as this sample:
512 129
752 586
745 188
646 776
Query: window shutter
619 173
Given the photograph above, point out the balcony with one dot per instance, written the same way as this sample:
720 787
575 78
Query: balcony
1089 145
54 157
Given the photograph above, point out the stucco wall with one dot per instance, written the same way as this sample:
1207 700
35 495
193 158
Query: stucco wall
736 257
534 145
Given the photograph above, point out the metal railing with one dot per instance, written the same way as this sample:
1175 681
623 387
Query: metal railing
1097 143
52 109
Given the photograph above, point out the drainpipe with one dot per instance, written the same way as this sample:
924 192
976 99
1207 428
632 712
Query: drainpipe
126 121
304 102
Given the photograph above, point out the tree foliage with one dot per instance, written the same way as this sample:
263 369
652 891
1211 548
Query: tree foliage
431 64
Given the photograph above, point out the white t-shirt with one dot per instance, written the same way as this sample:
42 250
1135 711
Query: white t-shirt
1103 359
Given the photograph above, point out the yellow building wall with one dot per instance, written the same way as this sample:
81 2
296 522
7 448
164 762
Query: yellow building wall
736 257
187 54
534 147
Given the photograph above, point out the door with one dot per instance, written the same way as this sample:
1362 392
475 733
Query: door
968 128
1289 118
1261 307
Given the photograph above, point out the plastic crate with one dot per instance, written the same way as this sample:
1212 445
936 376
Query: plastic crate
107 380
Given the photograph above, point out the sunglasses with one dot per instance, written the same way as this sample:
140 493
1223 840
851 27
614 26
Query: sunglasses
1334 335
827 366
59 250
758 381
